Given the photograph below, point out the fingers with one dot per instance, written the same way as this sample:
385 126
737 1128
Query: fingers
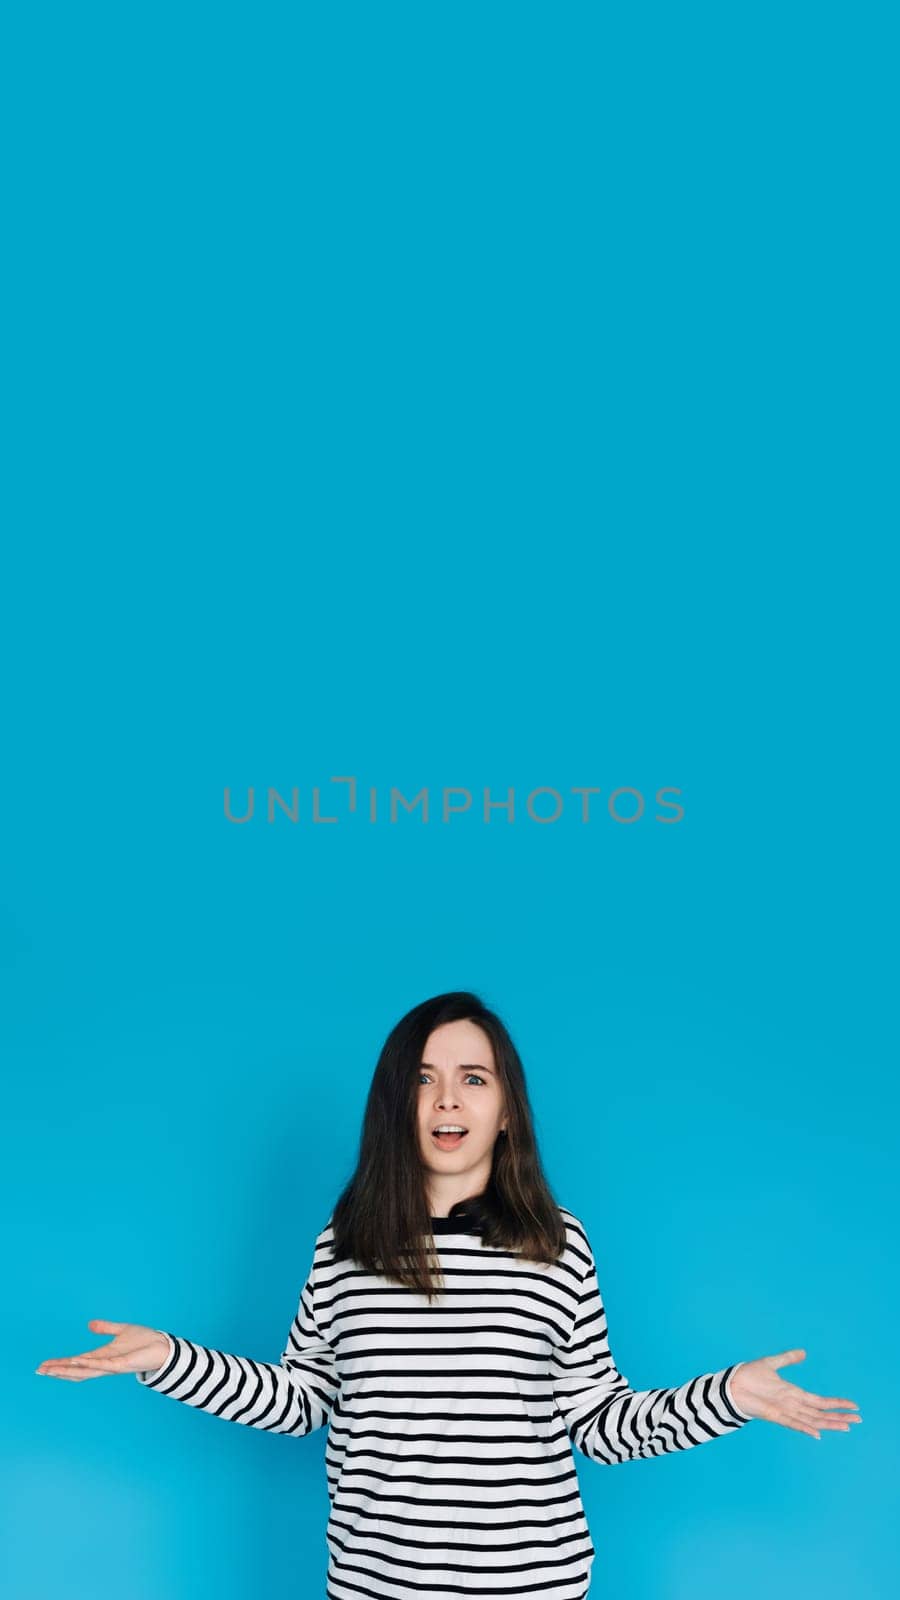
90 1358
822 1419
96 1325
829 1402
787 1358
75 1369
68 1362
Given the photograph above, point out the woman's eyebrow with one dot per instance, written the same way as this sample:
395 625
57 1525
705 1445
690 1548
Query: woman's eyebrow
475 1066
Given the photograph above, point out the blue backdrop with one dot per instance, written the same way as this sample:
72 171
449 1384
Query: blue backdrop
488 398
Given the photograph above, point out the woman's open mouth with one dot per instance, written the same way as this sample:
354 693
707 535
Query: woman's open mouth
449 1138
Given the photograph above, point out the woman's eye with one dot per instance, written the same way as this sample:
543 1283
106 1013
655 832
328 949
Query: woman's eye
468 1075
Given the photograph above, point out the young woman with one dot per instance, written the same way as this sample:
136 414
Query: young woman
452 1334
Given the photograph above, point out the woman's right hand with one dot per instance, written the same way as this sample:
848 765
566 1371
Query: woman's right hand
132 1349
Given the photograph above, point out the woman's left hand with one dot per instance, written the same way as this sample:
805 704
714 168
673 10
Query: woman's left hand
758 1390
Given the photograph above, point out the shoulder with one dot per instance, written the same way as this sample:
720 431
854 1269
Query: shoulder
325 1235
578 1245
321 1247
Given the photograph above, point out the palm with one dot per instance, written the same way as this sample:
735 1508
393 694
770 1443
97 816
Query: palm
760 1392
132 1348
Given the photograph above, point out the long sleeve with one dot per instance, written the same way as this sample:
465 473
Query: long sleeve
293 1396
611 1422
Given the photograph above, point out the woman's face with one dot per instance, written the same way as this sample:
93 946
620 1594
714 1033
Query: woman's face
459 1086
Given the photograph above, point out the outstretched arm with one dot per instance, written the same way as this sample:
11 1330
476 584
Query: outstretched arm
293 1396
611 1422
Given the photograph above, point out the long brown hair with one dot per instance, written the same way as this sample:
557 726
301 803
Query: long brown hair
381 1218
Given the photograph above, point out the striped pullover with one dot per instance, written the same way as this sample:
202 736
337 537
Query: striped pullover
451 1425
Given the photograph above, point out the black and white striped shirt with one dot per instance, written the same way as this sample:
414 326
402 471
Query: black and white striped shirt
451 1425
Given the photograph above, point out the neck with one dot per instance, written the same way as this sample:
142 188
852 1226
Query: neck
442 1207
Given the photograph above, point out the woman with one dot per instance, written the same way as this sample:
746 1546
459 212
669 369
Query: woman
452 1333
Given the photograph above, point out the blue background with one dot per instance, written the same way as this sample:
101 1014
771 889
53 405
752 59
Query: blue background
493 396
